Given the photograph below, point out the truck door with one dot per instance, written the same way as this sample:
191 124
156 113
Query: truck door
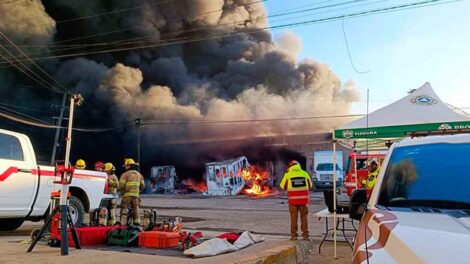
17 182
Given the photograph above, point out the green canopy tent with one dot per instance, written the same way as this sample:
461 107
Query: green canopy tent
420 112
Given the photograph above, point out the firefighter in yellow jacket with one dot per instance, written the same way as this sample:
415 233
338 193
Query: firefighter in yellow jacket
298 184
113 186
374 169
130 184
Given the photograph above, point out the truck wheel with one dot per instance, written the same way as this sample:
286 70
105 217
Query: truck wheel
77 211
10 224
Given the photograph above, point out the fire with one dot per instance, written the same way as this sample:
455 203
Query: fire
257 181
197 186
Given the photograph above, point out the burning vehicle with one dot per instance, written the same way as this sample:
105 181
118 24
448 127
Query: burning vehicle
236 176
259 179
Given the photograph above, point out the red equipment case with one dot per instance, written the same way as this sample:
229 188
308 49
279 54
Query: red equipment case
90 236
157 239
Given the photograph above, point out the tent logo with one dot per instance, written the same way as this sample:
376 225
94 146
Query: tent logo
444 127
423 100
347 134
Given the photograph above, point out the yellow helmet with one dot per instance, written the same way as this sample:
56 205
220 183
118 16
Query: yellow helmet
109 167
128 162
80 164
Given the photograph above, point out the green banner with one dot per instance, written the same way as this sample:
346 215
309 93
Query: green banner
397 131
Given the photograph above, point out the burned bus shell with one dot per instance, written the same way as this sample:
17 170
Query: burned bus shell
225 177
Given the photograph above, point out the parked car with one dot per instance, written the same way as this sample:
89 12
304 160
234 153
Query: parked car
419 209
25 186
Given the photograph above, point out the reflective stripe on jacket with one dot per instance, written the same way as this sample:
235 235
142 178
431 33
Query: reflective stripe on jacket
131 183
113 184
371 179
298 184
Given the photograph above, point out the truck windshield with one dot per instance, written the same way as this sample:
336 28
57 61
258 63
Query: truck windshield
326 167
434 175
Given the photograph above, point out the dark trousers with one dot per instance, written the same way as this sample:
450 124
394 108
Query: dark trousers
294 211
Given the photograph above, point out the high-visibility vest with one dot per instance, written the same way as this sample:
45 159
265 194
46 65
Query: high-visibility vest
131 183
371 179
298 184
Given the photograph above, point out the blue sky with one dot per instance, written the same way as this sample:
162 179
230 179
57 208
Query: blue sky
402 50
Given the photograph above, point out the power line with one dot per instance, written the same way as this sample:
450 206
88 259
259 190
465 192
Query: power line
37 78
44 124
349 52
103 14
24 115
134 40
28 108
30 60
252 31
198 28
136 26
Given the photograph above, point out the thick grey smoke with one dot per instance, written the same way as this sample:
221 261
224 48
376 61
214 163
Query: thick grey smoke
245 76
26 22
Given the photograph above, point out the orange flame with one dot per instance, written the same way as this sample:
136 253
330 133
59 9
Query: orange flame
257 181
197 186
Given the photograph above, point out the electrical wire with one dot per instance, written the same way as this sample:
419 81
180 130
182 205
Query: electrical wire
197 122
349 52
37 78
37 66
68 47
24 115
149 122
28 108
252 31
102 14
198 28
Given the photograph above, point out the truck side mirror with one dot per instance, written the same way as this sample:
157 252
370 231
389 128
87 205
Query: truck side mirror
358 204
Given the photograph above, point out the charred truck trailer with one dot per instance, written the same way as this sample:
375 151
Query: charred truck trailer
225 177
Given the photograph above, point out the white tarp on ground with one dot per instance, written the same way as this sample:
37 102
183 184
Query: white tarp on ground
217 246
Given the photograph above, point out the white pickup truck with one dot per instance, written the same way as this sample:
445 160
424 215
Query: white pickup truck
25 187
419 209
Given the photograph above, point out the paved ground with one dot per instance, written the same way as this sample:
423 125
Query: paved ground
211 215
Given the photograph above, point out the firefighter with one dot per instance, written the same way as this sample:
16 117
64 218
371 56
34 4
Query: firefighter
298 184
80 164
374 169
113 186
130 184
99 166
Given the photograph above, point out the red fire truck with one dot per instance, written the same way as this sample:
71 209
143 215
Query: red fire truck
357 166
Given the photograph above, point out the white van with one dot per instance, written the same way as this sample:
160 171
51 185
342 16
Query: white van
419 209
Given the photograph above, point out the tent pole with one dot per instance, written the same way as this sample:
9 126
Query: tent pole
355 169
334 196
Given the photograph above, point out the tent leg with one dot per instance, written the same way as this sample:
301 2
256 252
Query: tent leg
334 197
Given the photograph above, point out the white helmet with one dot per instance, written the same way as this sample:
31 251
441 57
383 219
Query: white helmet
372 160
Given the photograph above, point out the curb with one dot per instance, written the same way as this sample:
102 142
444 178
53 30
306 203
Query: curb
294 253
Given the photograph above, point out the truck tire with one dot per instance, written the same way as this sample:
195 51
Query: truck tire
10 224
77 211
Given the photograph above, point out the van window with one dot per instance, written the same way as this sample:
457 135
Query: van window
435 175
10 148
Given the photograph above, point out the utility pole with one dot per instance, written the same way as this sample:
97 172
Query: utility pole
75 100
57 131
137 126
